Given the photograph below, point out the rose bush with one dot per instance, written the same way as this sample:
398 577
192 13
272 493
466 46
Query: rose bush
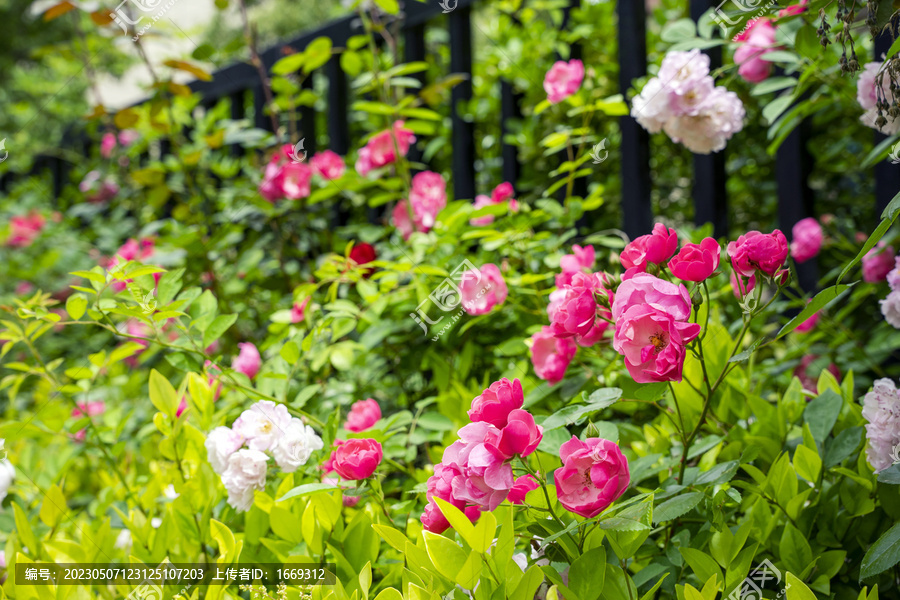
549 410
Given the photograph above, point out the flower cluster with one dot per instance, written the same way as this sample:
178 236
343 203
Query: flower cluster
475 473
651 313
383 147
427 196
683 101
881 408
266 427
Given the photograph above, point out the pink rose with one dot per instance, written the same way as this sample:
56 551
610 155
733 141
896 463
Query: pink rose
495 403
551 355
593 476
128 136
877 263
428 196
749 56
357 459
363 414
696 262
23 230
433 519
651 327
656 248
520 436
740 287
577 312
486 477
247 361
521 487
754 250
563 79
284 177
806 239
795 9
581 259
380 150
298 311
502 193
482 290
107 144
328 164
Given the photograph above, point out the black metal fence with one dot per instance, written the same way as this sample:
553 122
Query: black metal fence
241 84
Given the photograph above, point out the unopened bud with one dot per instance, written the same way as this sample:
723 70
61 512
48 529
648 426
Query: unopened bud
782 277
591 431
697 298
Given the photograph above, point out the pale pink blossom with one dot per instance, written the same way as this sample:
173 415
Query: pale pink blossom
750 55
551 355
482 290
248 361
107 144
593 476
328 164
563 79
381 149
428 196
881 408
890 308
877 263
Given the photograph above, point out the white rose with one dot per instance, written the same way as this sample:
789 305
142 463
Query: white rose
7 474
245 473
263 424
890 308
296 445
221 443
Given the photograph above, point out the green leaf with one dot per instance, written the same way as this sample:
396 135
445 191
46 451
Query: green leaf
169 285
807 463
720 473
882 555
306 489
76 304
677 506
891 475
317 54
815 305
821 414
585 579
162 394
53 508
703 564
290 352
844 444
458 521
447 556
796 589
597 401
528 585
218 327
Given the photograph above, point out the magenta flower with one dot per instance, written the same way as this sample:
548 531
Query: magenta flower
502 193
806 239
486 477
656 248
740 287
284 177
363 414
551 355
593 476
758 41
651 327
696 262
248 361
357 458
495 404
577 313
107 144
795 9
328 164
381 149
877 263
758 251
521 487
428 197
482 290
563 79
581 259
298 310
520 436
23 230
